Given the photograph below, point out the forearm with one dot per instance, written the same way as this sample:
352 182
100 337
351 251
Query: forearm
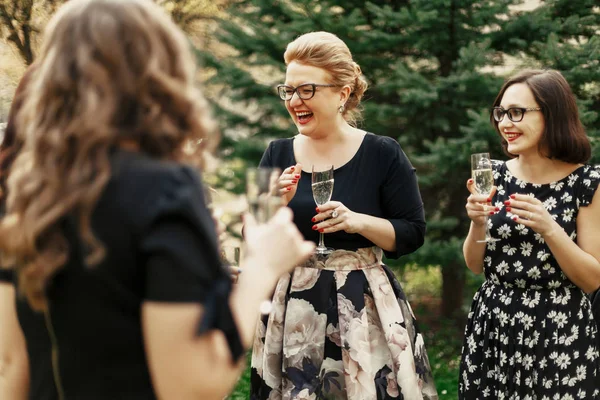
473 251
380 231
255 285
14 362
580 267
14 378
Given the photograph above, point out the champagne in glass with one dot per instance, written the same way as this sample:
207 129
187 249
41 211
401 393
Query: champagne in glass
322 188
483 177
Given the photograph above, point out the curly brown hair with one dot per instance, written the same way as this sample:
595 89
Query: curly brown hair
110 73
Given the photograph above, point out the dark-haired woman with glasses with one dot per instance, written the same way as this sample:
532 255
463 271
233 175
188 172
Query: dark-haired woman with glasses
531 333
341 327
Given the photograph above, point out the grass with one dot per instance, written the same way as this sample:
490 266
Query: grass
443 339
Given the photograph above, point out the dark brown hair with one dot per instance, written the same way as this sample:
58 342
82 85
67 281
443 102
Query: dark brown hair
109 72
564 136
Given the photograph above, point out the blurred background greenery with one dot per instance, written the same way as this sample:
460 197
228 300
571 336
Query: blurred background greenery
434 68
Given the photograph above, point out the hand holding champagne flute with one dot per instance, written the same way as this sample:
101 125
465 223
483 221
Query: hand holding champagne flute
322 188
483 178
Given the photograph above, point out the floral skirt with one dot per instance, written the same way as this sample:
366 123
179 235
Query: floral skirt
340 328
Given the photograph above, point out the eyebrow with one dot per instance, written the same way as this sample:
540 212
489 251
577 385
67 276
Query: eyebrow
512 106
305 83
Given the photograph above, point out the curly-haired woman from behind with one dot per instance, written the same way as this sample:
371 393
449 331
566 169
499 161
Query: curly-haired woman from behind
113 250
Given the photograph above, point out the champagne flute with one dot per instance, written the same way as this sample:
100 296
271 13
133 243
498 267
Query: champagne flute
322 188
262 192
482 175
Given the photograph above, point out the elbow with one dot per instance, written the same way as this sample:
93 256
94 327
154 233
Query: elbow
476 266
14 377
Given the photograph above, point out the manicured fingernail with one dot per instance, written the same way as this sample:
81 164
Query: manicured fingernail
294 181
321 230
297 176
291 169
507 203
288 188
314 220
317 209
508 208
512 196
514 218
492 212
470 180
497 208
489 200
314 228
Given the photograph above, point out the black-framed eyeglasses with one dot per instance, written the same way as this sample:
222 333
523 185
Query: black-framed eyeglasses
515 114
305 91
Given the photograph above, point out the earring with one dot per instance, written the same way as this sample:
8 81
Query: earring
341 108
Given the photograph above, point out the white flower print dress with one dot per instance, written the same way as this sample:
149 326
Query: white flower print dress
530 333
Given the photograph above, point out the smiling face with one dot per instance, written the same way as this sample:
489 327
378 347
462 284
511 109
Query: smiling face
523 137
319 115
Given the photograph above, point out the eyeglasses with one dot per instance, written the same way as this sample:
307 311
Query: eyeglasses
305 91
515 114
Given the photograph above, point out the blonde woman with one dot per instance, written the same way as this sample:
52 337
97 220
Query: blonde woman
341 326
112 249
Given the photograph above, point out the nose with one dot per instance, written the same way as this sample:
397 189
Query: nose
505 123
295 101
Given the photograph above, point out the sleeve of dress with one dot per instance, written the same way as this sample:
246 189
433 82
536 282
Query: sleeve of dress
180 251
401 199
591 179
6 275
267 158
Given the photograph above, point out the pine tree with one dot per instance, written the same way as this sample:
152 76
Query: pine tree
563 35
434 68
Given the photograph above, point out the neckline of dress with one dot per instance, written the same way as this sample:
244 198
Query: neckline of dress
360 148
516 180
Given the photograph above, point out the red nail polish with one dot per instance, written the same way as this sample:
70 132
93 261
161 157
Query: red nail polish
514 218
288 188
318 209
508 209
470 180
492 213
321 230
314 228
291 169
314 220
512 196
294 181
489 200
297 176
497 208
507 203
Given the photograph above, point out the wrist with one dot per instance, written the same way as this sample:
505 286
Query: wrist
552 232
258 268
362 223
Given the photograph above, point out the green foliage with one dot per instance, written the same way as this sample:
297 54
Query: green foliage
434 68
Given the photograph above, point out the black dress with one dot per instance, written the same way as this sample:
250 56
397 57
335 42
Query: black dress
341 327
160 246
530 332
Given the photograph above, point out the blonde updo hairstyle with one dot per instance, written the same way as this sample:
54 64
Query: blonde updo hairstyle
325 50
110 73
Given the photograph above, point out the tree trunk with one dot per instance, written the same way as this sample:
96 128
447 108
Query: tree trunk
453 284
